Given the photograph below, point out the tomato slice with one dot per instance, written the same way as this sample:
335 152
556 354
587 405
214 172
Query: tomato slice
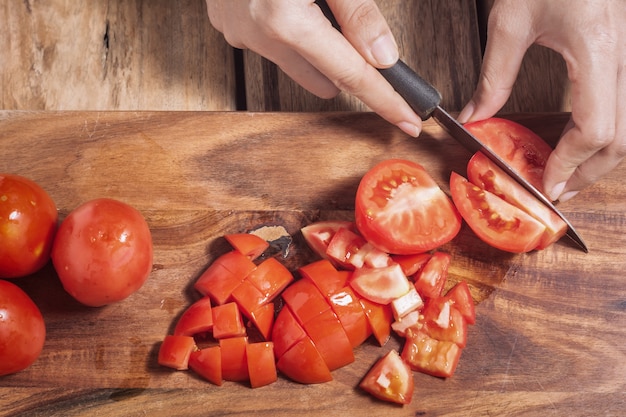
318 235
248 244
487 175
286 332
303 363
380 285
227 321
411 264
390 379
270 277
305 300
330 339
379 317
519 146
261 364
325 276
207 363
431 279
248 298
493 220
349 310
461 299
263 319
400 209
197 318
234 361
175 351
430 356
224 274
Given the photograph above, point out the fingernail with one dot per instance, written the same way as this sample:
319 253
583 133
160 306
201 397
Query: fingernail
555 194
409 128
567 196
384 50
466 113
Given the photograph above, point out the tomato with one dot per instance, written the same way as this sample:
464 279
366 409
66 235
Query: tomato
197 318
261 364
349 310
207 363
443 322
431 279
330 339
323 274
22 329
224 274
303 363
227 321
517 145
234 361
28 222
407 303
379 317
488 176
248 298
400 209
103 252
493 220
270 277
247 244
380 285
390 379
263 319
286 332
175 351
318 235
461 299
430 356
411 264
350 250
305 300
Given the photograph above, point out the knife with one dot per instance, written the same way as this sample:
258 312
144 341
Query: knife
425 100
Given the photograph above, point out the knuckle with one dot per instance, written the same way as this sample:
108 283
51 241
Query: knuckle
351 80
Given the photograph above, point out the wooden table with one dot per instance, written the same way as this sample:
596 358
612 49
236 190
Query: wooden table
550 332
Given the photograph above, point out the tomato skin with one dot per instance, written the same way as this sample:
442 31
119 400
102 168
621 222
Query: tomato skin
28 223
401 210
174 352
390 379
303 363
248 244
22 329
330 339
103 252
431 279
234 361
207 363
197 318
261 364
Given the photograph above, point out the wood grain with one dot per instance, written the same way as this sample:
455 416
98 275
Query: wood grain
549 337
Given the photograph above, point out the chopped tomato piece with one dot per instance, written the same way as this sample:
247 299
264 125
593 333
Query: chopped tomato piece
270 277
400 209
411 264
197 318
325 276
430 356
263 319
207 363
411 320
444 322
380 318
303 363
286 332
175 350
248 298
350 250
493 220
407 303
432 278
349 310
390 379
318 235
248 244
330 340
380 285
224 275
234 361
261 364
227 321
305 300
461 299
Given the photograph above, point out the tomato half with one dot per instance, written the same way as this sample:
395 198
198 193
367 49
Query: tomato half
400 209
103 252
495 221
390 379
519 146
22 329
28 222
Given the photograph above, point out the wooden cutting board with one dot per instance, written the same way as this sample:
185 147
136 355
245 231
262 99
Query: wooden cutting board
550 333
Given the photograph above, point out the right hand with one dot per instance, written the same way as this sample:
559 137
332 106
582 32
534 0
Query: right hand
296 36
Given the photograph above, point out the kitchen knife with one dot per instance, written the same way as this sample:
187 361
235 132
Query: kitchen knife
425 100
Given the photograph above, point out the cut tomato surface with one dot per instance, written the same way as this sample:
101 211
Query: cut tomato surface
379 317
432 278
261 364
303 363
197 318
390 379
411 264
430 356
174 351
442 321
227 321
207 363
400 209
350 250
330 339
234 361
493 220
263 319
224 274
248 244
461 299
318 235
407 303
380 285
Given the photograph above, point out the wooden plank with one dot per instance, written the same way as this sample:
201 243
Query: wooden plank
550 327
113 55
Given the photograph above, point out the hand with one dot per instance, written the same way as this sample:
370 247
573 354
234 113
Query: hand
591 36
296 36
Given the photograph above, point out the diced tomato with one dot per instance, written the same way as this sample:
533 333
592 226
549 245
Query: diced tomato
461 299
303 363
207 363
380 285
234 361
488 176
227 321
318 235
248 298
286 332
248 244
410 320
350 250
430 356
197 318
411 264
349 310
432 278
330 340
263 319
224 275
261 364
403 305
270 277
325 276
444 322
175 350
380 317
493 220
400 209
390 379
305 300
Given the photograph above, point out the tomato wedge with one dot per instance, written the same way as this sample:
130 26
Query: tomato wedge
303 363
318 235
390 379
197 318
248 244
261 364
207 363
174 351
461 299
431 279
430 356
380 285
400 209
493 220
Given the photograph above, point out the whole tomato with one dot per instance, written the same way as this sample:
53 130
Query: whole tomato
103 252
22 329
28 221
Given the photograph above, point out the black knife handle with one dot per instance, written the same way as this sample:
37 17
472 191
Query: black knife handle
417 92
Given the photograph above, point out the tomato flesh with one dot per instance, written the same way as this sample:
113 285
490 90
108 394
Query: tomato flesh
390 379
431 279
430 356
380 285
261 364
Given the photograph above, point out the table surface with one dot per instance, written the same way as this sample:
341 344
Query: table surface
550 331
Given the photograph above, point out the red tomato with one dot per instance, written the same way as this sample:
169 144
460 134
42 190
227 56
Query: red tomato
270 277
431 279
349 310
461 299
248 298
224 274
380 285
227 321
303 363
520 147
390 379
286 332
350 250
234 362
380 318
444 322
305 300
318 235
261 364
263 319
330 339
488 176
103 252
430 356
400 209
495 221
323 274
197 318
411 264
175 351
28 222
22 329
248 244
207 363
